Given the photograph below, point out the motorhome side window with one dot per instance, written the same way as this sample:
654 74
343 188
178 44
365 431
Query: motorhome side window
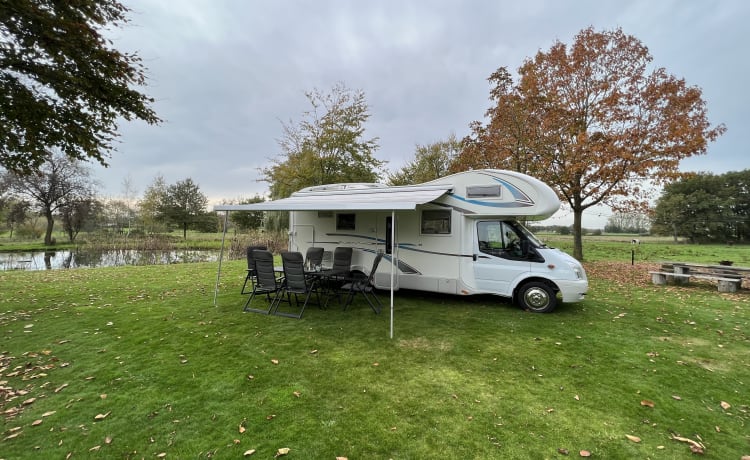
345 221
498 239
436 222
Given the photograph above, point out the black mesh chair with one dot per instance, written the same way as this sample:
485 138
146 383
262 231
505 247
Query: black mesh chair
295 283
314 258
339 272
266 282
250 277
342 261
363 285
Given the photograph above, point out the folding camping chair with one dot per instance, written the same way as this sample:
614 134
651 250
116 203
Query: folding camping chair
266 281
313 258
363 285
250 268
339 272
297 283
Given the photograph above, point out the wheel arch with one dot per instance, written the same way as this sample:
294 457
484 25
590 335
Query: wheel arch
531 279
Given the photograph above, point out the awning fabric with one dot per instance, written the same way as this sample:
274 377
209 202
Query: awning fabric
370 199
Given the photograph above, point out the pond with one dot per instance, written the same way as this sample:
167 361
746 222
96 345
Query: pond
78 258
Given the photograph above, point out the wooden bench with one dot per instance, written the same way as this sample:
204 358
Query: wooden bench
725 283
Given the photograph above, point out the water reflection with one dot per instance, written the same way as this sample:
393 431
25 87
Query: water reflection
50 260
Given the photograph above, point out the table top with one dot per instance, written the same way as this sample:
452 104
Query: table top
726 268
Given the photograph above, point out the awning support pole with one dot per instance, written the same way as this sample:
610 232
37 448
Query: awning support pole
393 258
221 256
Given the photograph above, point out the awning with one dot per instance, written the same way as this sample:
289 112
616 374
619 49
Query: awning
369 199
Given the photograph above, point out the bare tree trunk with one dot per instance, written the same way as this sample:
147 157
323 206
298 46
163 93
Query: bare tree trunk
577 236
50 226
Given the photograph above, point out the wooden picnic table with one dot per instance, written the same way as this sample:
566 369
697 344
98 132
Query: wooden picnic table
728 277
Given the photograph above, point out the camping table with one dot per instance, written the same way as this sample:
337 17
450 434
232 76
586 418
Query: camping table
325 278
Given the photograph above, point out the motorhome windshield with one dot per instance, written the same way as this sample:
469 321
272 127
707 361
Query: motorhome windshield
529 236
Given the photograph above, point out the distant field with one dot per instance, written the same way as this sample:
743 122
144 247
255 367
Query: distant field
650 249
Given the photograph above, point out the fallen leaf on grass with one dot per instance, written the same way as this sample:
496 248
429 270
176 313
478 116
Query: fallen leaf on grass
342 458
274 361
95 448
162 455
108 440
562 451
242 429
725 405
695 446
282 451
36 422
249 452
676 398
102 416
584 453
61 388
11 436
29 401
647 403
47 414
297 394
633 438
312 352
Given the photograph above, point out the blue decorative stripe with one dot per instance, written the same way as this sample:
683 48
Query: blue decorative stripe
521 200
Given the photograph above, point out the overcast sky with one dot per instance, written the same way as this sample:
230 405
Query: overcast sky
226 73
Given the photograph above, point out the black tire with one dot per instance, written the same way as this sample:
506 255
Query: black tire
536 297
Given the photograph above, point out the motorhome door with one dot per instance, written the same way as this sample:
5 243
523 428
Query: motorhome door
302 237
499 258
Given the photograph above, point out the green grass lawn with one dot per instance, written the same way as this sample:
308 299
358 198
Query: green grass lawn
136 362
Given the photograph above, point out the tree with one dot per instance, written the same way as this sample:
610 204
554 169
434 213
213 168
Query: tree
62 86
705 208
59 182
78 214
327 146
431 161
184 204
153 201
248 220
627 222
129 193
16 213
592 121
116 215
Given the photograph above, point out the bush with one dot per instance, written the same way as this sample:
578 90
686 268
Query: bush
29 231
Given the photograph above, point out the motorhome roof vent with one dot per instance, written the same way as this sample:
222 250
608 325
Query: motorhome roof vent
482 191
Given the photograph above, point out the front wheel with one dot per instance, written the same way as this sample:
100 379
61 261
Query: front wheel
537 297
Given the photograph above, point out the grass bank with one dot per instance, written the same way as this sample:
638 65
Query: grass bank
136 362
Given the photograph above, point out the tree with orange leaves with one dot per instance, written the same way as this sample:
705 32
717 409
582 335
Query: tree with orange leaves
593 121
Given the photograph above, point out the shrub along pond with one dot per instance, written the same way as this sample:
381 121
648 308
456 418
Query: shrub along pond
88 258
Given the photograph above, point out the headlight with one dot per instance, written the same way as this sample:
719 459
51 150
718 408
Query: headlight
577 270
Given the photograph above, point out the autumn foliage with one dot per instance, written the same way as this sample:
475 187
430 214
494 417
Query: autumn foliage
595 120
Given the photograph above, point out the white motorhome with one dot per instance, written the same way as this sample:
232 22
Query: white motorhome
456 235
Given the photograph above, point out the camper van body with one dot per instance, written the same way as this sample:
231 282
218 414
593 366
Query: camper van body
462 237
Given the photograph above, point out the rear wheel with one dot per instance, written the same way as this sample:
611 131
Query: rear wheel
537 297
